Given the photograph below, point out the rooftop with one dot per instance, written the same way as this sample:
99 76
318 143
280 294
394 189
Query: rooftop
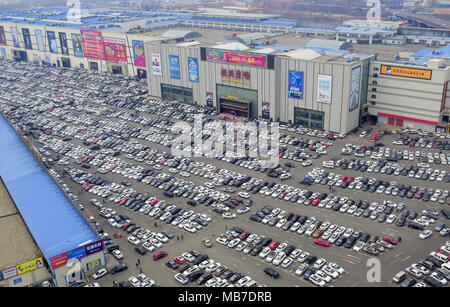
16 244
52 220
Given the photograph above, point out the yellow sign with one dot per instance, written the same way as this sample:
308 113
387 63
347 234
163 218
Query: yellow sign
236 81
406 72
93 264
29 266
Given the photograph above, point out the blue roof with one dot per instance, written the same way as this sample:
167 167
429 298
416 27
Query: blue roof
52 220
426 54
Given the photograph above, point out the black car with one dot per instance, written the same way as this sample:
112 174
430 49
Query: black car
172 264
227 274
119 268
272 273
195 275
235 277
408 282
341 241
142 251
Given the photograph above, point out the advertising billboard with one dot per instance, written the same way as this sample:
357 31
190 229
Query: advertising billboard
354 88
209 100
92 43
2 36
233 57
52 42
26 38
29 266
76 253
77 48
156 64
115 50
265 110
407 72
15 37
324 88
139 55
39 40
295 86
174 62
63 43
444 96
193 69
10 272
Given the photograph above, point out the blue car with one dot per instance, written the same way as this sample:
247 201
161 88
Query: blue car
308 273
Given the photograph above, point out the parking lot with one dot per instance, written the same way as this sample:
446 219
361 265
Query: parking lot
343 199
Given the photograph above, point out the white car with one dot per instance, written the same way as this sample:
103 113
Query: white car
181 278
133 240
100 273
336 267
229 215
148 246
243 194
425 234
117 254
358 246
134 281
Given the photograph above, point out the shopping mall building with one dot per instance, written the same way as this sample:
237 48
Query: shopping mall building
321 86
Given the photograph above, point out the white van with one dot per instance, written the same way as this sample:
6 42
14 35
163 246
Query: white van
446 267
399 277
439 256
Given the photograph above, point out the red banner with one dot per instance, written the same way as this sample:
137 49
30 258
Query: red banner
92 42
115 50
245 59
59 260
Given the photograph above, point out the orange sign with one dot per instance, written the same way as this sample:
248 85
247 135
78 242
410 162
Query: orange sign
406 72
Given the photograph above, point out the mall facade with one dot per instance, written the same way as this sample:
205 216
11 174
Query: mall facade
324 91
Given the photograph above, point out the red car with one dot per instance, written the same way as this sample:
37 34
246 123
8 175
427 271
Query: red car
159 255
350 179
274 245
179 260
315 202
389 240
344 178
243 236
322 242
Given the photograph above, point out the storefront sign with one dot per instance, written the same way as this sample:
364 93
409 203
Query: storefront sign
415 73
174 62
193 69
236 76
26 38
63 42
324 88
265 110
51 38
94 247
59 260
156 64
2 36
15 37
77 47
76 253
8 273
92 43
115 50
243 58
39 40
29 266
354 88
209 100
295 86
139 55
